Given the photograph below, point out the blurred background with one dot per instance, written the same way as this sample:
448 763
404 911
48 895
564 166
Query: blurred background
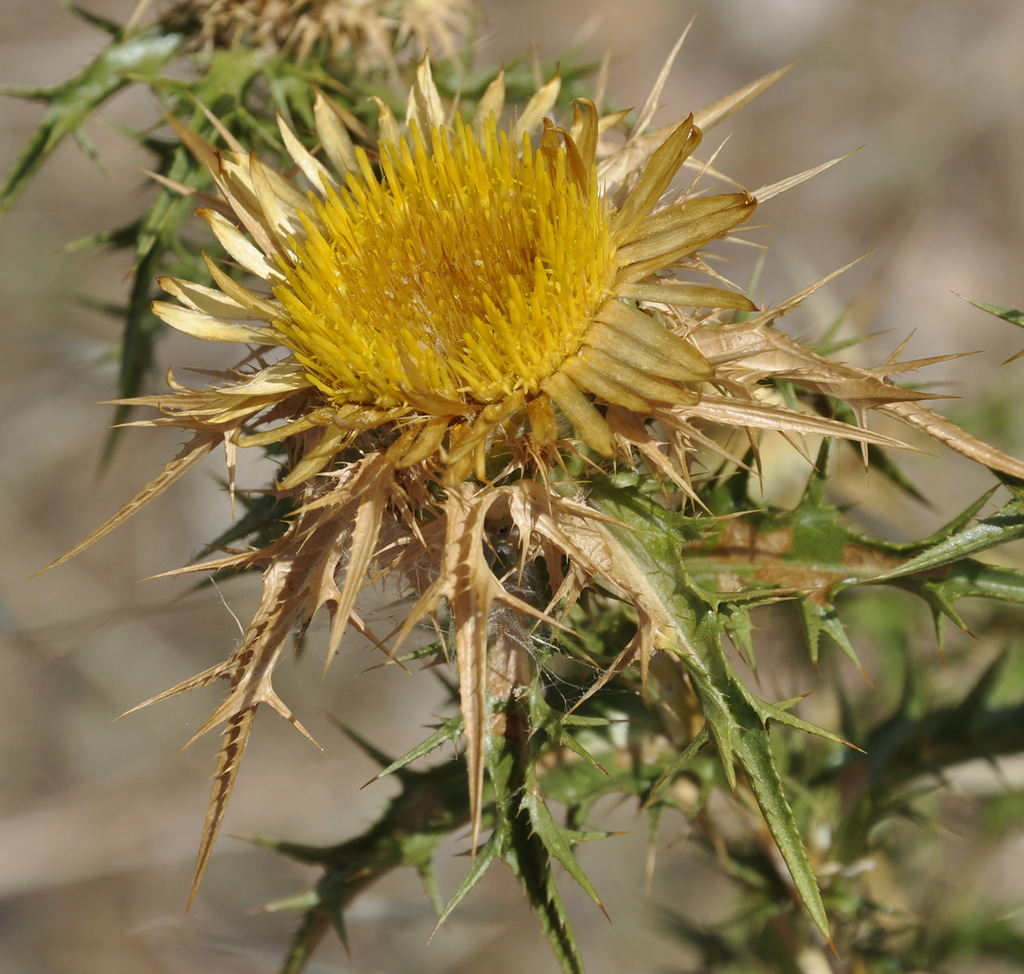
99 821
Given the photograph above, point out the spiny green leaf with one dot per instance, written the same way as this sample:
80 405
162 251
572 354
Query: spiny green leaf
692 749
955 524
740 630
975 578
264 517
820 618
310 933
90 17
449 732
743 725
567 740
812 556
780 713
770 792
558 842
431 805
1007 524
1012 315
367 747
157 232
645 531
72 102
525 836
481 862
527 856
974 702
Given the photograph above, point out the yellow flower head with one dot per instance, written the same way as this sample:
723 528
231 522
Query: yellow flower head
468 273
479 285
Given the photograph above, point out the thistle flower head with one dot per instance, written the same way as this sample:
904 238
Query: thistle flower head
466 275
369 32
434 325
479 286
436 321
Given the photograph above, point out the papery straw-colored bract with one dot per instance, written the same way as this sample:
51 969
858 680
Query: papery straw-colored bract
441 325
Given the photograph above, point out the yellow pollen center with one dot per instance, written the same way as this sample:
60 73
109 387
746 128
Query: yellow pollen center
469 271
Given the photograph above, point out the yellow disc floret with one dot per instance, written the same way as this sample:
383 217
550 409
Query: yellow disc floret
468 271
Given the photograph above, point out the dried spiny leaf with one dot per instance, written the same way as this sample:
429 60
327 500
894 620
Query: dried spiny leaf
191 453
747 352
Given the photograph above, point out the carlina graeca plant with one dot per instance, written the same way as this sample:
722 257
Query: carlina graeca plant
498 365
